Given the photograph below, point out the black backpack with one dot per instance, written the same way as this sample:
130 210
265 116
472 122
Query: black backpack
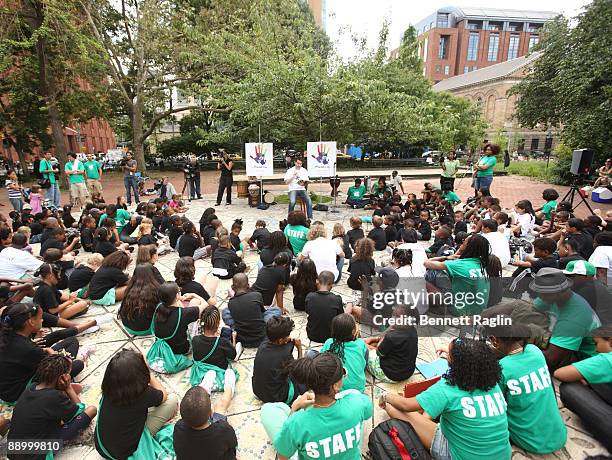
396 440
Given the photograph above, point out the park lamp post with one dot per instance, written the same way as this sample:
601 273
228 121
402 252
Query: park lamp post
547 146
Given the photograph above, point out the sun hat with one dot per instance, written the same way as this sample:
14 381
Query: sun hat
550 281
580 267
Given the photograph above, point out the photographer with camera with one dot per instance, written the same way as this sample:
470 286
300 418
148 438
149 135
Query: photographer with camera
225 165
192 176
130 181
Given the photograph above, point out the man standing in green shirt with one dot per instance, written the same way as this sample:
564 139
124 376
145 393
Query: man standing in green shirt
450 166
354 195
75 170
93 171
49 171
484 167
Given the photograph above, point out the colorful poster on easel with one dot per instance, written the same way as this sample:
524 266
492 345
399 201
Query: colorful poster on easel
321 159
259 159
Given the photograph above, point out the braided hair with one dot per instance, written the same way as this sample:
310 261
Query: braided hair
52 368
318 374
210 319
478 248
13 320
342 331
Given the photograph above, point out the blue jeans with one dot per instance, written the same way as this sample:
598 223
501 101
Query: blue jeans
17 204
131 183
339 265
53 195
358 203
194 187
483 182
303 194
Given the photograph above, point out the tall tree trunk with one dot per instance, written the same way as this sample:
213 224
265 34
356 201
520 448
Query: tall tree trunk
137 132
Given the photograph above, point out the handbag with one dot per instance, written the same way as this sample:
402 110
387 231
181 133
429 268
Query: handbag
45 182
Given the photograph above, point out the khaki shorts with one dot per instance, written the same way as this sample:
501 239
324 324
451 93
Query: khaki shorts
94 186
78 190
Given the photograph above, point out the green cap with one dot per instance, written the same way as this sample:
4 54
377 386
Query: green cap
580 267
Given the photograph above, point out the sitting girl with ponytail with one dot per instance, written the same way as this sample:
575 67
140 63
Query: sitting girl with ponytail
51 408
20 355
352 350
327 424
170 322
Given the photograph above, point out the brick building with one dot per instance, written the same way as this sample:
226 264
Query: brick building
455 41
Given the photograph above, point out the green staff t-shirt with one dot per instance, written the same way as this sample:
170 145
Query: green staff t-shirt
548 208
354 362
597 369
490 161
75 178
526 384
356 193
573 323
475 424
296 234
45 165
470 286
332 432
92 169
450 168
451 197
121 218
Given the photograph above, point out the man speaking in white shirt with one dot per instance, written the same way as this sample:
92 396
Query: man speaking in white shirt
297 180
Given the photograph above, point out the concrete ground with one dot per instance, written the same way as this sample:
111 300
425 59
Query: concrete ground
244 411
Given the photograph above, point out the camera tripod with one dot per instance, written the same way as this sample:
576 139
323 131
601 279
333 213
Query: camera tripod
191 183
571 195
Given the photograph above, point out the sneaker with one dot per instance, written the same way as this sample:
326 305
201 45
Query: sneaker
239 350
229 381
208 382
85 353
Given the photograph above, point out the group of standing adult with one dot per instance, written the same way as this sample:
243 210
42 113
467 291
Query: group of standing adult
482 172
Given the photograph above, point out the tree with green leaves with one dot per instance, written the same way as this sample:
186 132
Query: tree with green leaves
570 85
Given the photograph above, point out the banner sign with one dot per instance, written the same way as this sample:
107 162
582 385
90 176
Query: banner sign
321 159
259 159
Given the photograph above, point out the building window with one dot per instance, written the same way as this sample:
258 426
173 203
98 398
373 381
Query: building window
493 47
535 142
515 26
513 46
438 68
466 69
533 41
443 20
534 28
495 25
472 51
474 25
447 69
443 49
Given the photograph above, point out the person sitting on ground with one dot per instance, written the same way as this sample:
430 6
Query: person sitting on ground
276 244
50 409
362 263
102 242
185 277
88 226
210 230
526 384
213 349
423 225
296 231
586 388
234 236
391 232
109 283
14 262
582 274
352 351
321 307
543 250
141 298
79 279
299 430
204 429
442 237
377 234
147 254
524 218
225 262
57 239
271 281
175 230
498 241
568 251
355 193
260 237
468 428
322 251
550 196
601 257
574 319
356 232
574 230
51 299
145 237
270 381
392 355
190 243
245 313
134 407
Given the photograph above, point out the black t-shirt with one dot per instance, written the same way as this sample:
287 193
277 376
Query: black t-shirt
424 228
87 239
299 295
38 415
120 427
377 234
218 441
585 243
207 233
346 247
37 228
105 279
193 287
47 297
173 235
460 226
45 235
158 276
224 262
247 312
598 296
269 384
357 268
354 234
80 277
105 248
141 321
391 233
18 363
403 235
147 239
267 255
438 243
261 236
550 261
563 261
224 352
235 240
51 243
179 343
226 172
322 307
398 352
268 280
188 245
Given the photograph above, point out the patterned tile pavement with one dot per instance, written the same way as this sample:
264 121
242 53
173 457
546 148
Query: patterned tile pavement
244 411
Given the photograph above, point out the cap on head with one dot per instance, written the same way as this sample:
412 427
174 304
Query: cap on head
580 267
